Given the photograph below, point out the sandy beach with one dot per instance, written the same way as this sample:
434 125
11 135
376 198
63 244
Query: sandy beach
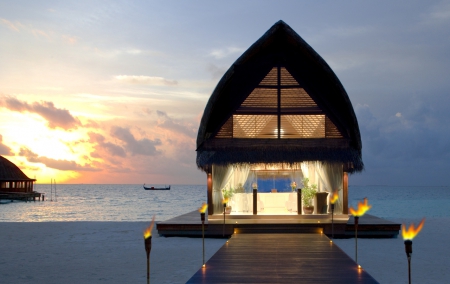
113 252
95 252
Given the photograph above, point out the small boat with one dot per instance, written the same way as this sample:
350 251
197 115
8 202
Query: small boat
157 188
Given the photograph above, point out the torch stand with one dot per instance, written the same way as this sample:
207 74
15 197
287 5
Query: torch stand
223 232
332 221
356 238
202 217
408 250
148 248
299 201
255 201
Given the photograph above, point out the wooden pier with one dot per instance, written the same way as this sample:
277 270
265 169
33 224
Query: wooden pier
22 196
281 258
189 225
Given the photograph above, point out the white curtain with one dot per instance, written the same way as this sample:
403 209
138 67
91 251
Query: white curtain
327 176
334 173
221 176
226 177
330 175
239 176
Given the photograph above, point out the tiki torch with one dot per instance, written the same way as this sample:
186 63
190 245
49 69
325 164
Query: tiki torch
202 211
333 200
225 200
408 235
148 245
363 207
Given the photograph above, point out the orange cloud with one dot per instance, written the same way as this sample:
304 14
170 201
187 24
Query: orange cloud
63 165
4 150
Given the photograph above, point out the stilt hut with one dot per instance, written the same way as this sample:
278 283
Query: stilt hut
12 179
277 116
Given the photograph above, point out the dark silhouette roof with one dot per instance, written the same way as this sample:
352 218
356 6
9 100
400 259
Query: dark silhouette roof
280 47
10 172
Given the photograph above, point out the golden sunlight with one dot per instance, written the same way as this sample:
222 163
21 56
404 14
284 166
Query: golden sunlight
36 145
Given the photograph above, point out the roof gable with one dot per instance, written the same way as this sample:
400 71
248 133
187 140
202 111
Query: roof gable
309 91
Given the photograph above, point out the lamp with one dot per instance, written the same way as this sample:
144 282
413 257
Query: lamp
363 207
408 235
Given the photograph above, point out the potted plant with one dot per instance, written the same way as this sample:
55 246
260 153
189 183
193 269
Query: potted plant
227 194
308 193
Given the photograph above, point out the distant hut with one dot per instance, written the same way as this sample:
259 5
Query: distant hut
277 116
12 179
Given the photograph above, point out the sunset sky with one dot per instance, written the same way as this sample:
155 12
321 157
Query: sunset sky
113 91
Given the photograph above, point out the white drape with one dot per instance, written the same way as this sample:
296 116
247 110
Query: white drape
227 177
334 173
221 176
330 175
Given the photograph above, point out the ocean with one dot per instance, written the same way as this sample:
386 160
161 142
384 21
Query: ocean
130 202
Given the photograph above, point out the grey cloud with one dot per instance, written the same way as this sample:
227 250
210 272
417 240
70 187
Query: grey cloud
415 138
179 127
146 80
55 117
215 71
111 148
144 146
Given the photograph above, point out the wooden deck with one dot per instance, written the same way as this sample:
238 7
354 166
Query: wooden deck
190 225
23 196
280 258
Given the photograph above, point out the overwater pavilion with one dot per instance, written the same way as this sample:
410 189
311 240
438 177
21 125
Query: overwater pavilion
14 184
277 116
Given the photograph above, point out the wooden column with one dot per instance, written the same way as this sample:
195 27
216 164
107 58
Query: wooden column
345 193
209 186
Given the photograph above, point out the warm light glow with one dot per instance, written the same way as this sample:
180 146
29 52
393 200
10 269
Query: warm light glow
204 265
359 266
148 230
334 197
225 201
203 208
409 234
331 241
363 207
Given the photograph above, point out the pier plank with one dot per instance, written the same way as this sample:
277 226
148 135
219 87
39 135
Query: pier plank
280 258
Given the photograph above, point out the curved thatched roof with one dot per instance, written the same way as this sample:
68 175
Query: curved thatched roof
279 46
10 172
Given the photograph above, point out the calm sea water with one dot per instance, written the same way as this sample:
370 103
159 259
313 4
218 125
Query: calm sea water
83 202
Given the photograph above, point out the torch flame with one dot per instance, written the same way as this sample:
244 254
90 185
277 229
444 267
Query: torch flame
334 197
363 207
409 234
203 208
148 230
225 201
